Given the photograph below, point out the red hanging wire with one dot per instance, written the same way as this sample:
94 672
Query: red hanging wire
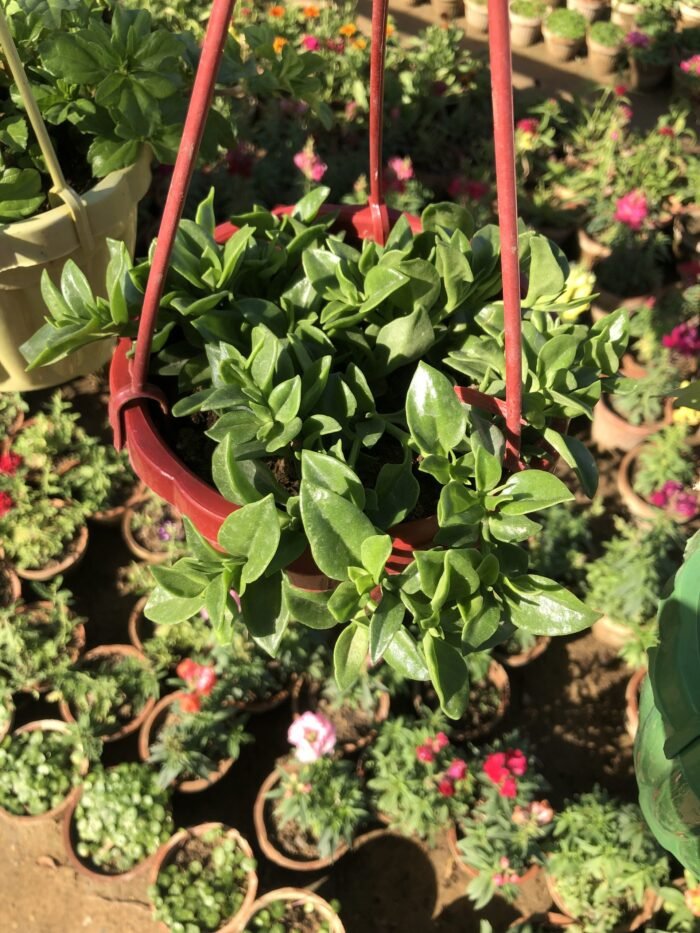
504 150
380 214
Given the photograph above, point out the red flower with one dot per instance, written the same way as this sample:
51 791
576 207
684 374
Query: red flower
446 787
205 680
666 131
494 767
6 503
529 125
516 762
440 741
620 90
424 753
457 769
190 703
187 669
509 788
9 463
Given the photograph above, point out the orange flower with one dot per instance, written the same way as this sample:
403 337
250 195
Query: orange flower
390 30
360 43
349 29
311 12
277 11
278 44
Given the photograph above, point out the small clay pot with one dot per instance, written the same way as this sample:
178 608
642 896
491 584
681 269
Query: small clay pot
303 896
114 515
611 633
13 585
86 869
7 725
590 250
636 505
138 550
16 424
644 76
135 624
561 49
383 703
526 657
48 725
689 15
156 718
632 691
498 676
266 844
524 30
446 10
74 649
70 561
109 651
602 59
652 903
625 14
451 837
165 854
610 431
592 10
477 17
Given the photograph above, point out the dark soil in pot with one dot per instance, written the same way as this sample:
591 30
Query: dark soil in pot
355 726
488 702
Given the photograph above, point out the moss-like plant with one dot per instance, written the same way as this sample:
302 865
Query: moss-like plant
566 24
606 33
38 770
531 9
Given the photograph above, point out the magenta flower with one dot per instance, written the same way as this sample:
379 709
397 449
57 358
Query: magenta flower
691 66
310 163
425 753
686 504
312 735
684 339
401 168
632 209
311 43
335 45
529 125
471 188
637 39
457 769
673 497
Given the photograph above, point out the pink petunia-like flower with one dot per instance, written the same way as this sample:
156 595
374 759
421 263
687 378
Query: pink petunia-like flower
446 788
457 769
425 753
516 762
637 39
528 125
632 209
684 339
311 43
312 735
310 163
401 168
440 741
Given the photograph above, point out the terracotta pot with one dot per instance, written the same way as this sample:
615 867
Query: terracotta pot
9 708
592 10
138 550
266 704
607 302
156 718
625 14
652 904
686 231
602 59
477 17
165 854
74 649
266 844
561 49
383 703
644 76
109 651
526 657
451 837
632 691
48 725
590 250
630 368
12 584
689 15
302 895
69 562
446 10
524 30
613 634
636 505
86 869
498 676
610 431
114 515
135 624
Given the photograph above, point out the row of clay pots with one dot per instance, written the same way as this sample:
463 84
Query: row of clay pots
636 505
69 561
610 431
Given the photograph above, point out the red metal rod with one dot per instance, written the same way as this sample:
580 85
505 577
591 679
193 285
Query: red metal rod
195 121
380 220
504 149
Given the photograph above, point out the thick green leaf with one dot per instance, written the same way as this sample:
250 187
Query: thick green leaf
330 473
165 609
404 339
384 624
403 654
264 612
252 533
308 607
344 601
350 654
533 490
542 606
448 216
335 528
487 469
449 674
576 455
375 552
434 414
397 492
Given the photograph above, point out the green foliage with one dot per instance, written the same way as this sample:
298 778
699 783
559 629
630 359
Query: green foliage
322 800
37 644
566 24
604 859
37 531
608 34
533 9
11 406
642 401
563 548
38 770
404 789
286 915
201 891
121 818
665 456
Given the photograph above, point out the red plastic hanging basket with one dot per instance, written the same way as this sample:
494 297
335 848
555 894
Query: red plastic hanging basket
132 397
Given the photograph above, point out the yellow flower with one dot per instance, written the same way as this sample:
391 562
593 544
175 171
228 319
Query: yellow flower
277 11
311 12
690 417
349 29
360 43
278 44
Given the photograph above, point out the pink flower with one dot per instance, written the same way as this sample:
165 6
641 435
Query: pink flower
520 815
190 703
504 862
312 735
401 168
457 769
528 125
494 767
542 811
351 109
516 762
499 880
509 788
691 66
620 90
632 209
311 43
658 498
335 45
684 339
446 787
425 753
614 135
626 113
440 741
310 163
10 463
686 504
637 39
